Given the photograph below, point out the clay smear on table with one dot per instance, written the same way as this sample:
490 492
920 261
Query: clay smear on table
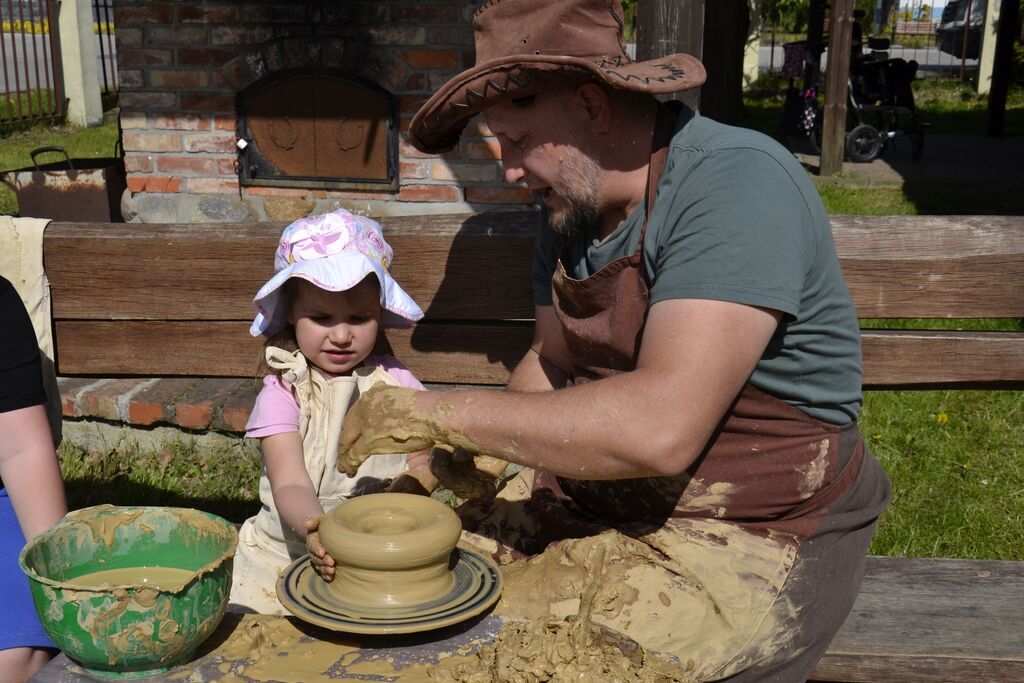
557 649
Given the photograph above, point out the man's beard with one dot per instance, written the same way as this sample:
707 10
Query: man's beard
576 186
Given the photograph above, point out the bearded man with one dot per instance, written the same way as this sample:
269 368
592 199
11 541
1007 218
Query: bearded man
691 394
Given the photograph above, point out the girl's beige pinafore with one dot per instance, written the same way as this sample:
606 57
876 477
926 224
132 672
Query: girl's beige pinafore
265 546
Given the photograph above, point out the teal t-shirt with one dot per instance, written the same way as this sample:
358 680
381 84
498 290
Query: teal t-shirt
736 218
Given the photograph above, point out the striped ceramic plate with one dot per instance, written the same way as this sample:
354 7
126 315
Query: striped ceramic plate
477 586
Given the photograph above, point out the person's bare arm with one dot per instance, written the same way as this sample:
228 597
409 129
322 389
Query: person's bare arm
695 357
295 496
547 364
30 471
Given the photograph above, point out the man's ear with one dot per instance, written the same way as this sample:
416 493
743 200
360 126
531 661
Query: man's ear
593 100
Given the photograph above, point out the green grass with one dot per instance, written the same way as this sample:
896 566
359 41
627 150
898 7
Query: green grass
97 142
928 199
24 104
955 461
953 108
223 481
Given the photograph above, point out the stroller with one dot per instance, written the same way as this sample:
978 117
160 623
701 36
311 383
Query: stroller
880 103
881 106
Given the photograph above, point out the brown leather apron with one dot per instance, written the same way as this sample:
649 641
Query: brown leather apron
767 466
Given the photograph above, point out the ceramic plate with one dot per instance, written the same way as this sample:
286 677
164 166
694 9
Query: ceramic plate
477 586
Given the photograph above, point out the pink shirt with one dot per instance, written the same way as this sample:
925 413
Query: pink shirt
276 411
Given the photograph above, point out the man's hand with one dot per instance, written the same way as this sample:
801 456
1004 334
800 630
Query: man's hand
383 420
323 564
467 476
418 481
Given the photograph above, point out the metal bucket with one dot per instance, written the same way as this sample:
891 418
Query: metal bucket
74 190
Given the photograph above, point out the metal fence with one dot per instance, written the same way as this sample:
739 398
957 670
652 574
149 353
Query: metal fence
933 38
103 21
944 43
31 84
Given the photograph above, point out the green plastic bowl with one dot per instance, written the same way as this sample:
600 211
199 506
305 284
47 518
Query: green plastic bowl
133 630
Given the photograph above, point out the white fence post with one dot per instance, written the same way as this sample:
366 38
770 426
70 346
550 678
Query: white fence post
78 53
988 47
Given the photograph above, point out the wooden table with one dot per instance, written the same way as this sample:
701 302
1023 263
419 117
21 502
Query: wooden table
301 653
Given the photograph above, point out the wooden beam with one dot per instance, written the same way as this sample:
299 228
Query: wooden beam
837 72
664 27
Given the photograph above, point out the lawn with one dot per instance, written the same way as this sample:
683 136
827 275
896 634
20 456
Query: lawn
956 458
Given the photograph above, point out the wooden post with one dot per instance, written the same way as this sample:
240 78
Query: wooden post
726 27
837 71
667 26
1005 36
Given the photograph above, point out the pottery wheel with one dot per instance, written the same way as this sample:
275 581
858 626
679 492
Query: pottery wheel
477 586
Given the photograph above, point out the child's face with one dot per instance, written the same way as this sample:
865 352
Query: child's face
336 330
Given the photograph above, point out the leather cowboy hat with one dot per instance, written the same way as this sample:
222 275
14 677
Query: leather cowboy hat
524 47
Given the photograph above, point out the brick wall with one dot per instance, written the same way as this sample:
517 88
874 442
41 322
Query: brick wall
181 64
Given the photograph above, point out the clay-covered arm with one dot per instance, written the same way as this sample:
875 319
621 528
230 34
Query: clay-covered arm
29 469
695 356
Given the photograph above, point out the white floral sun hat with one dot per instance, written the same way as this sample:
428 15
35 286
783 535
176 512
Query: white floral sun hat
334 251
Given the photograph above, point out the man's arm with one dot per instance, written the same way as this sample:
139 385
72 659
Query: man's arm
546 365
695 357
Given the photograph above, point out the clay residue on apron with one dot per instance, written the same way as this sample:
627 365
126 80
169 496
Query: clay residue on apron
694 592
815 470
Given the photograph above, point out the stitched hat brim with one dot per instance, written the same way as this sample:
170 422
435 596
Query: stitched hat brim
437 125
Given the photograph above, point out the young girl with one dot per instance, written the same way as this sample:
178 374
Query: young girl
321 312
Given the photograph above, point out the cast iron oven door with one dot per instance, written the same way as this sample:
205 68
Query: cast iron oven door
317 130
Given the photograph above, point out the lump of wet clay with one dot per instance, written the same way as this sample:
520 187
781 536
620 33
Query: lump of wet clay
557 650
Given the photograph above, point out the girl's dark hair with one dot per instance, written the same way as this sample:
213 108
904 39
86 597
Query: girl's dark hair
285 337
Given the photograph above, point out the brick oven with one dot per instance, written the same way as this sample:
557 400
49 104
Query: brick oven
272 110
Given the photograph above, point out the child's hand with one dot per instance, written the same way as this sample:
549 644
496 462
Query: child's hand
417 480
323 564
467 476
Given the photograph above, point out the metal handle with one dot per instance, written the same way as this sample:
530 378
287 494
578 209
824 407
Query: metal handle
50 148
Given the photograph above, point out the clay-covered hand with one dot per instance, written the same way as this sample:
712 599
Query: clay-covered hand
383 420
466 475
323 564
418 480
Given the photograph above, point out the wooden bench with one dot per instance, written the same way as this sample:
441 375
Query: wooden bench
174 300
914 28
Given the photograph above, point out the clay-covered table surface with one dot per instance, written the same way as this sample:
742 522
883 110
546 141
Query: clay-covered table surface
255 648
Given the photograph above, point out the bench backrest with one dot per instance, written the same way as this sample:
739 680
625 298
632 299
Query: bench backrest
166 300
914 28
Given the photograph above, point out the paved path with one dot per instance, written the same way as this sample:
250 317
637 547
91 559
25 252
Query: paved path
993 163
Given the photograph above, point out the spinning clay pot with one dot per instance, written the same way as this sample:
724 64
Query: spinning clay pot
391 549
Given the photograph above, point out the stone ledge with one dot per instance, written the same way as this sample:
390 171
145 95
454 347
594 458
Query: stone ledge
195 404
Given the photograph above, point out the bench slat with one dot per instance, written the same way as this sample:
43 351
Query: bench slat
437 353
904 359
486 354
454 267
479 267
932 620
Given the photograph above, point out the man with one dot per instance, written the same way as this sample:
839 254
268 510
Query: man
691 394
